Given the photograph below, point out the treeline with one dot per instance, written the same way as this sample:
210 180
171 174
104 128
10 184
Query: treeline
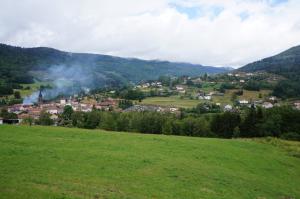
281 122
289 88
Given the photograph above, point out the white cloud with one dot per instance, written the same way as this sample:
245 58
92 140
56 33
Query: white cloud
209 32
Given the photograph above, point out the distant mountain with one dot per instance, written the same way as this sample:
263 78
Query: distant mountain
21 64
285 63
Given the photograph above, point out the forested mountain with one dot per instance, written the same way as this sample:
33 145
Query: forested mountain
286 63
21 65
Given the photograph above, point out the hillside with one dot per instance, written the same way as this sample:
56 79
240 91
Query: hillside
285 63
21 64
52 162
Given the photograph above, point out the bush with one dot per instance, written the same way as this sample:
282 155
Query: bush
45 119
252 86
291 136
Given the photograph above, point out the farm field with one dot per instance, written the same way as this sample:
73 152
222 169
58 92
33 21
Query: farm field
53 162
176 101
247 95
171 101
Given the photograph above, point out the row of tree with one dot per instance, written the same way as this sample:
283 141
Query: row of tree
255 122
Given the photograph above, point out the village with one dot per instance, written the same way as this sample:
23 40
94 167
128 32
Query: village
184 91
56 107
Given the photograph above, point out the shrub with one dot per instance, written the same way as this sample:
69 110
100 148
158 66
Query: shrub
291 136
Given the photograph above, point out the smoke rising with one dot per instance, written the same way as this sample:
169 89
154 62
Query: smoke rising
68 80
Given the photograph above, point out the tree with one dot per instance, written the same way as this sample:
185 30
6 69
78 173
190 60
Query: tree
287 89
223 125
225 86
132 94
205 76
189 82
17 95
271 126
236 132
195 127
28 120
233 97
65 119
123 122
151 122
45 119
249 125
6 89
78 119
252 85
167 127
207 108
165 80
67 113
6 115
92 119
108 121
124 104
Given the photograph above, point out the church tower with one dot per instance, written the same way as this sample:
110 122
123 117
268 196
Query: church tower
40 99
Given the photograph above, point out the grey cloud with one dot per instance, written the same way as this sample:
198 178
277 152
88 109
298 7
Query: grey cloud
153 29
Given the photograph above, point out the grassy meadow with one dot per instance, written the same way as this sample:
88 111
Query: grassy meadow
53 162
174 100
177 101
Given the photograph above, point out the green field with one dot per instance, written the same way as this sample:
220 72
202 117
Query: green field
53 162
171 101
176 101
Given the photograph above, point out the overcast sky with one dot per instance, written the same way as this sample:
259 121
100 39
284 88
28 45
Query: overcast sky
208 32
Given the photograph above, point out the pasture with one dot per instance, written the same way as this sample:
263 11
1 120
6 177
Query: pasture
54 162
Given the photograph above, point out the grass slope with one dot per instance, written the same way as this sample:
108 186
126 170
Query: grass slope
170 101
52 162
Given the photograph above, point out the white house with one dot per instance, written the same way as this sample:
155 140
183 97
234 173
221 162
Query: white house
146 85
297 105
228 107
173 109
52 111
243 101
62 102
267 105
179 88
207 97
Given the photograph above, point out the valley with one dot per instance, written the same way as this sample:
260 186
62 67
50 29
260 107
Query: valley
161 99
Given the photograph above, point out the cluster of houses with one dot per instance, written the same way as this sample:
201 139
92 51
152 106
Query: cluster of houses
55 108
152 108
155 84
267 104
240 74
207 96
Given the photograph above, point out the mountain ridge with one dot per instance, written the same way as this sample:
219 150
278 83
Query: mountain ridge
26 63
283 63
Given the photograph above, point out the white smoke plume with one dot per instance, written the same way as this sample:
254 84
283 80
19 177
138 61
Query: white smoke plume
67 81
